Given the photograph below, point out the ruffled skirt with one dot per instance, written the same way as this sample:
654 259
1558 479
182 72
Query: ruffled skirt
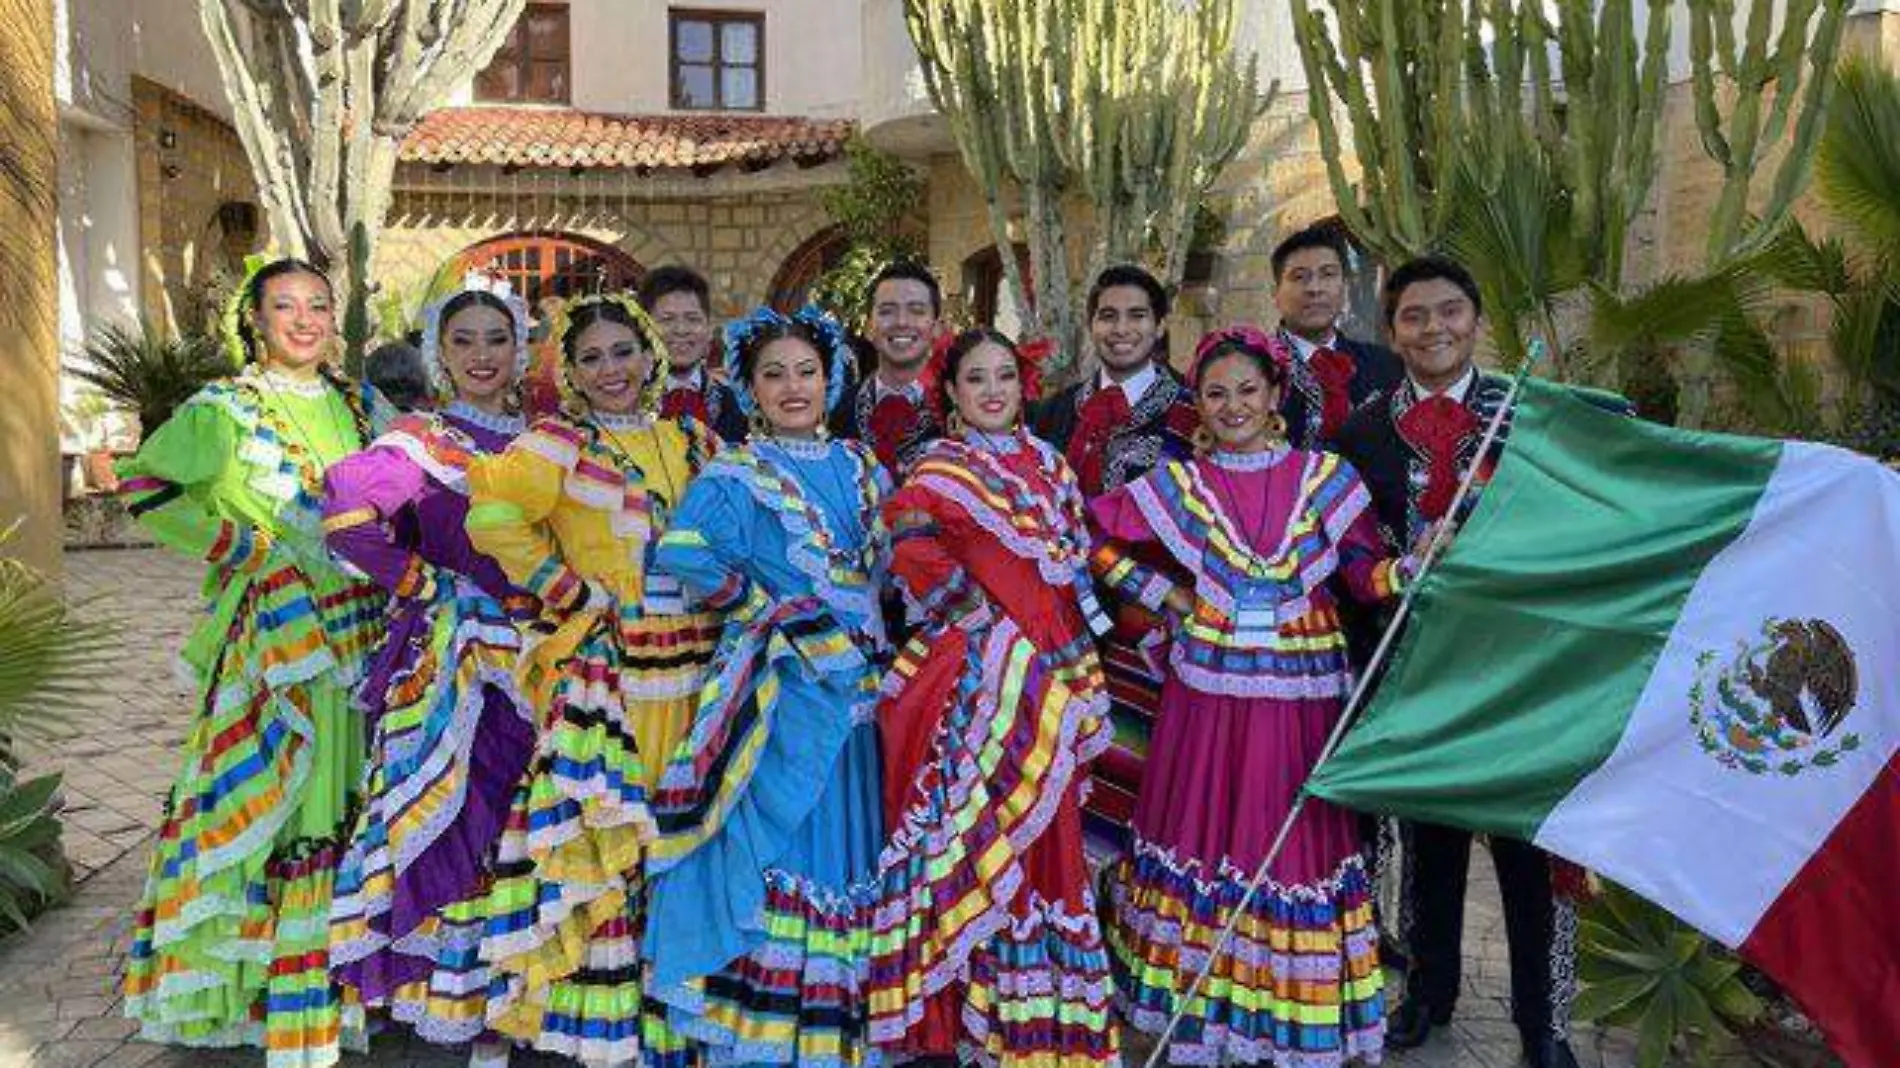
452 735
764 868
231 935
985 937
566 909
1300 982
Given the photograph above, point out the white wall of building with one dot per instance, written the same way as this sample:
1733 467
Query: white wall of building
618 50
103 45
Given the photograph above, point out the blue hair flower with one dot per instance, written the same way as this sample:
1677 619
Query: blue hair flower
766 320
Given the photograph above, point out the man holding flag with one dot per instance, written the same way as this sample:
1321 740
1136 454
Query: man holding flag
1667 656
1412 445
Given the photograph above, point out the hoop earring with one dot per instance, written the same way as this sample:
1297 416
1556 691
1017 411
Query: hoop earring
953 423
759 426
1276 426
1203 441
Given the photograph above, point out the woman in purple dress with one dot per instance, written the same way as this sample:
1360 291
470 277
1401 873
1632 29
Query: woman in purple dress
451 733
1257 677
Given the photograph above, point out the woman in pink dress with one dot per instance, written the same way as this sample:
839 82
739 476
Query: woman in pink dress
1257 678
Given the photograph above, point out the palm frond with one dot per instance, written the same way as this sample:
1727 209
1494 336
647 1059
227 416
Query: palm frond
49 655
1796 260
1778 395
141 367
1674 310
1865 338
1857 164
1509 221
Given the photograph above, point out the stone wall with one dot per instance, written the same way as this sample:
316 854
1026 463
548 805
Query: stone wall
190 164
738 238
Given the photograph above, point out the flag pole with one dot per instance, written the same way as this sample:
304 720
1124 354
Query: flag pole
1433 550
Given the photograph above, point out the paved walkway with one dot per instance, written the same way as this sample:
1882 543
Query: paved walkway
59 1006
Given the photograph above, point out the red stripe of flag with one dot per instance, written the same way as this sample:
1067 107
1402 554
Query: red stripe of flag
1832 938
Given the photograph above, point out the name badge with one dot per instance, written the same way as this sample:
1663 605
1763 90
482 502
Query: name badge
1254 611
664 595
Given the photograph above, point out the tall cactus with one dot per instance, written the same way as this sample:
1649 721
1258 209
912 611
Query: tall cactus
1165 108
1765 78
1396 67
323 95
1426 83
1134 106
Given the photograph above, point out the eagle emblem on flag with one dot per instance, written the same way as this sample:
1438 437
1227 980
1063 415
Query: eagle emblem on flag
1775 706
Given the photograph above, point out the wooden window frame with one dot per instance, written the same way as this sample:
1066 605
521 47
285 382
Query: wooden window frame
525 60
718 19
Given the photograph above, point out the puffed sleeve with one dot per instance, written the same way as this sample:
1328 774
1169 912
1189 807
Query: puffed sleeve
704 547
511 495
1119 523
1372 573
168 487
923 528
363 494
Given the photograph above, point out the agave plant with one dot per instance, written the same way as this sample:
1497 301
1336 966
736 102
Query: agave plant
1642 968
29 835
148 370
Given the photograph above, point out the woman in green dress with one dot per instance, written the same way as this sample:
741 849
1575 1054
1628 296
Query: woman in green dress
230 945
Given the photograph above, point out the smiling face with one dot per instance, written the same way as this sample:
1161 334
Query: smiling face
1435 331
988 389
610 366
788 381
903 323
1124 328
478 352
1237 403
685 327
295 322
1311 292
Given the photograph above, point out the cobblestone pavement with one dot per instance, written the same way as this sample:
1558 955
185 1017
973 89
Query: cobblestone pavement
59 1006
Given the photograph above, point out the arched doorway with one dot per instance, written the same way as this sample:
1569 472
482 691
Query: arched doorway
792 284
541 265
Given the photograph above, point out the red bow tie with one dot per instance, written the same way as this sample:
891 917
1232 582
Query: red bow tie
893 420
1435 427
685 400
1101 415
1334 371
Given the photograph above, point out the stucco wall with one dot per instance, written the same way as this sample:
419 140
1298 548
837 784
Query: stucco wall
189 163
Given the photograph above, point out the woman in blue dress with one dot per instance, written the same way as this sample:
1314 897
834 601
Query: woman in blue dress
769 815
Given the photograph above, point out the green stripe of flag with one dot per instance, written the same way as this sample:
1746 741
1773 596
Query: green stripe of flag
1532 639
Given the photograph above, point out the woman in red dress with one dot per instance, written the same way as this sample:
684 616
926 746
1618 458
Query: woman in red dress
985 943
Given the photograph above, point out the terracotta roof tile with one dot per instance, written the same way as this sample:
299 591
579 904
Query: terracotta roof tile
565 137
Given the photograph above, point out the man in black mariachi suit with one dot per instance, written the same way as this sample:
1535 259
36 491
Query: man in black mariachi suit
1114 427
887 411
1412 445
680 302
1331 374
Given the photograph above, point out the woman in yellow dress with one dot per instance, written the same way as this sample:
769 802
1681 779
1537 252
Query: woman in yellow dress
572 511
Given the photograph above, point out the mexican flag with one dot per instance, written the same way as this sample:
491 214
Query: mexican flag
1673 658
